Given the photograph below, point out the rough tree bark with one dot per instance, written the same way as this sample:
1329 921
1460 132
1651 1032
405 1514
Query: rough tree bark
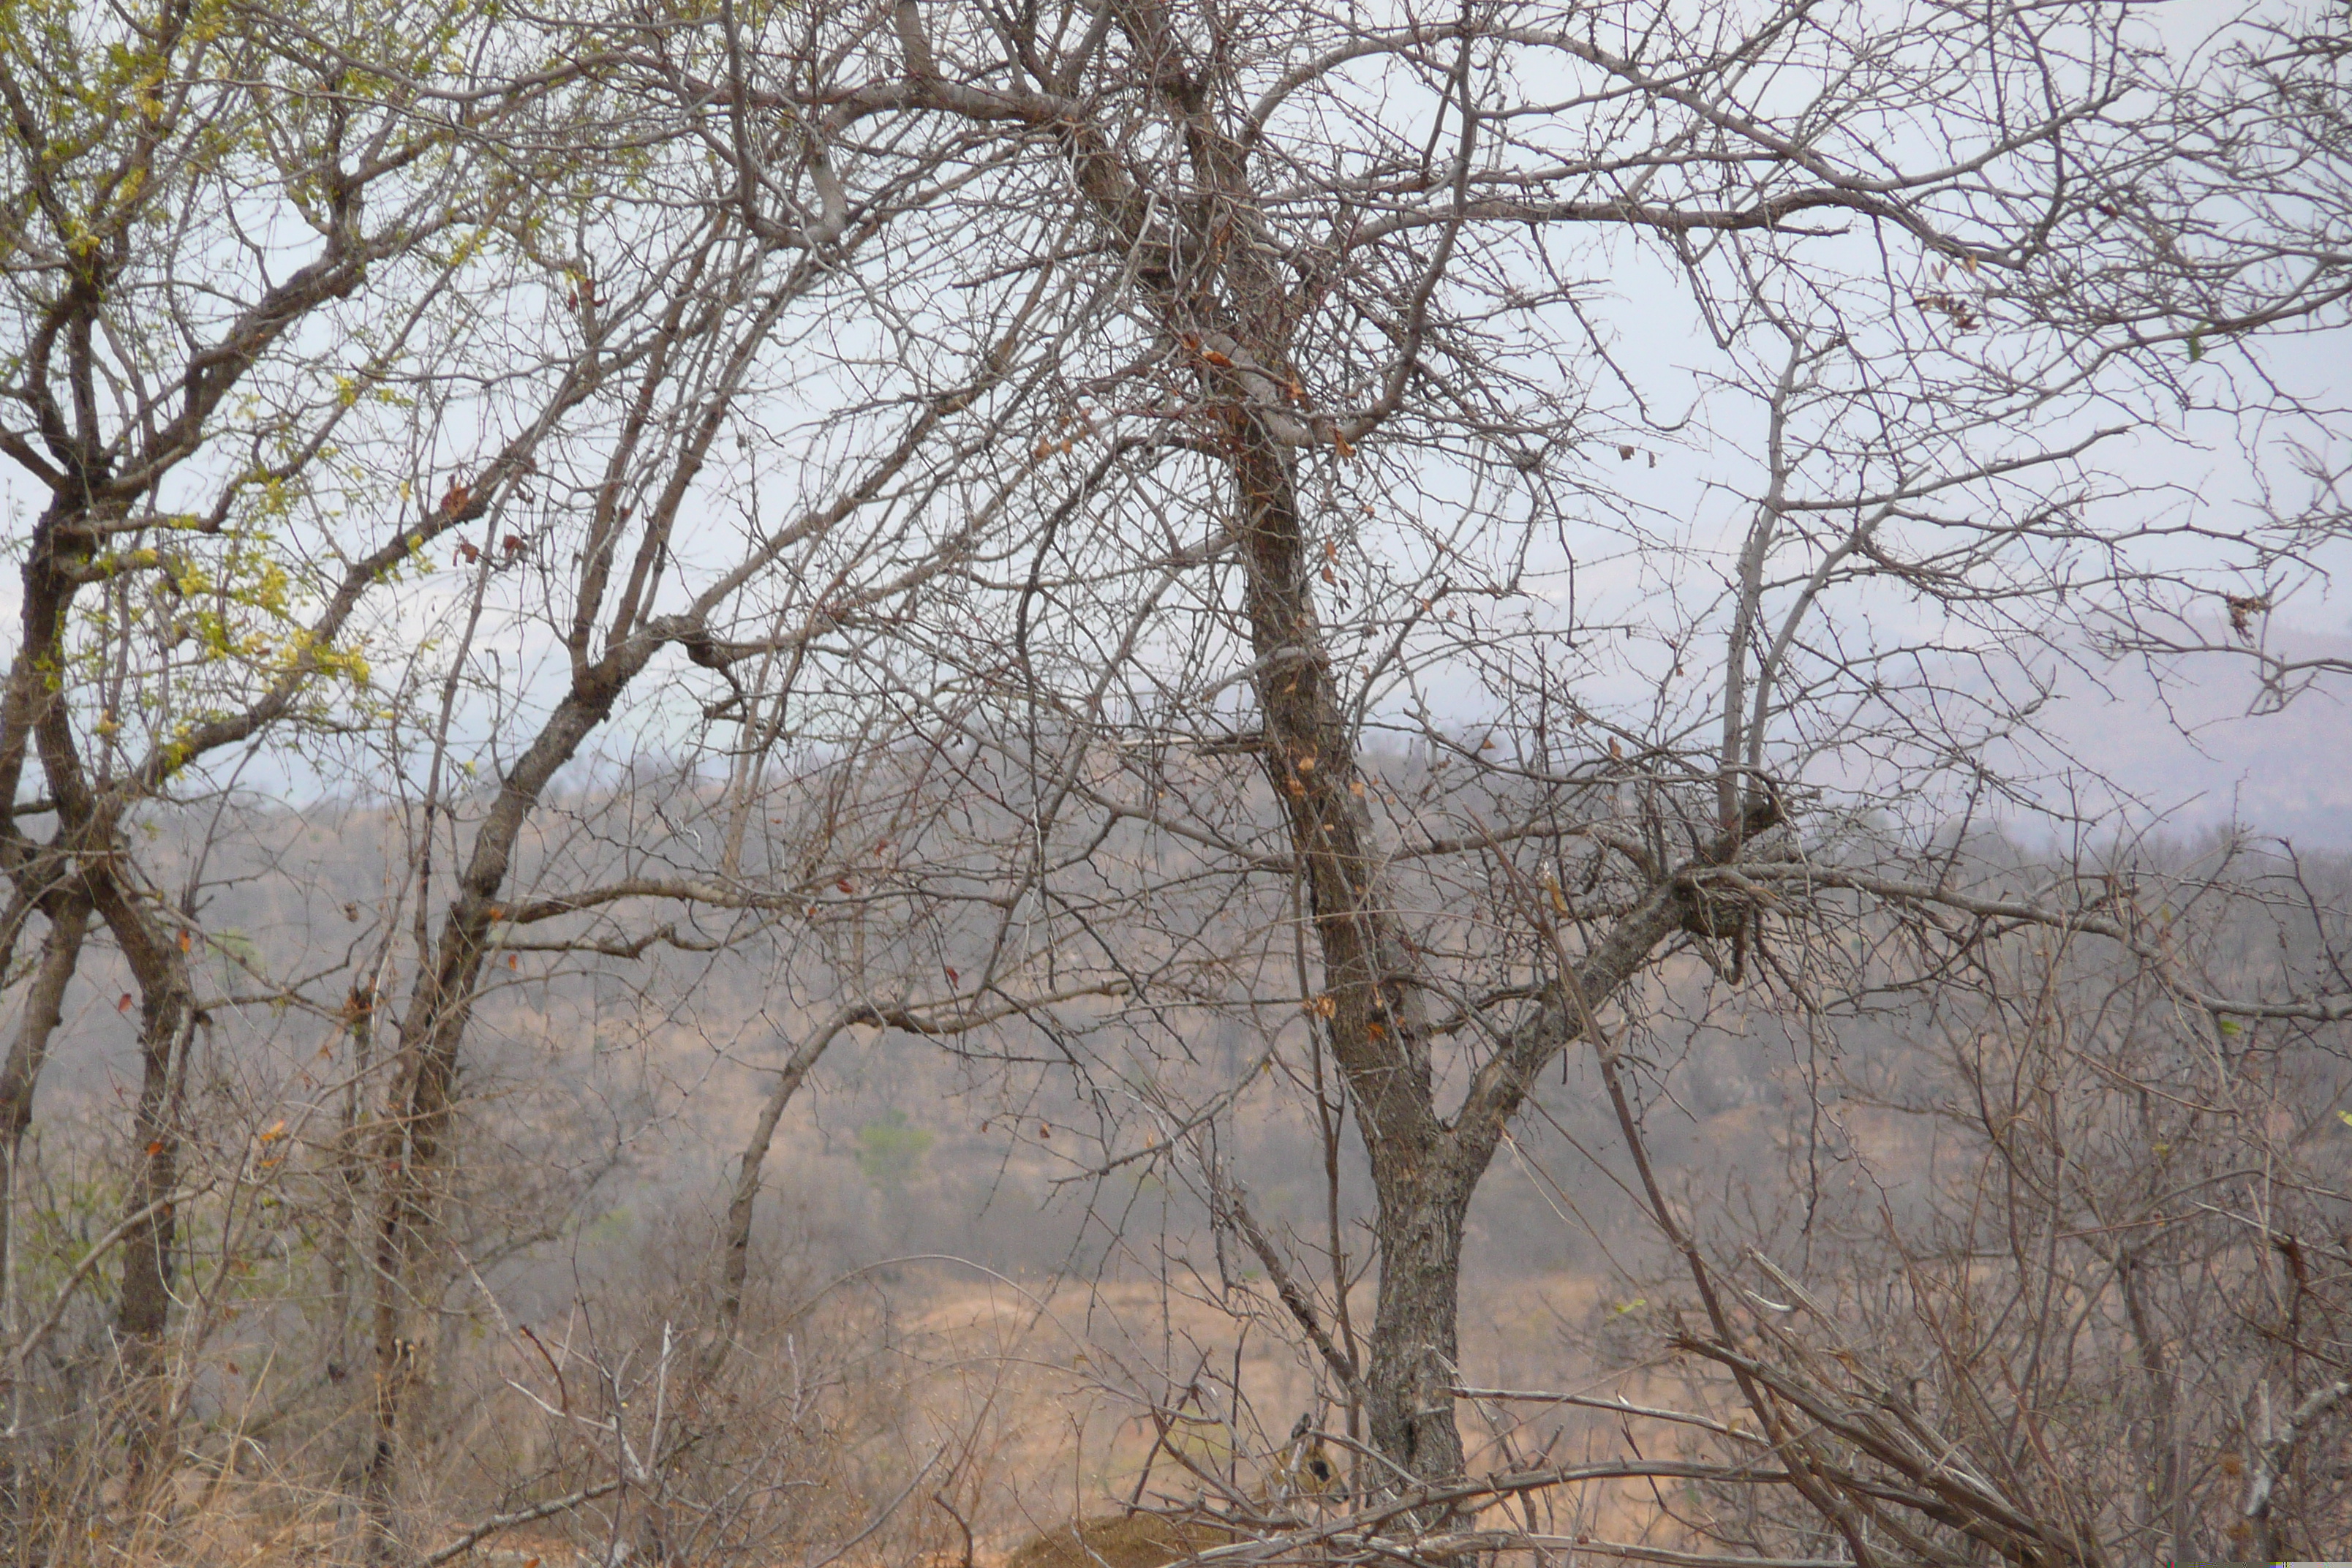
69 916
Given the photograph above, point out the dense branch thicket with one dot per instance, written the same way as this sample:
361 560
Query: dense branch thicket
1219 569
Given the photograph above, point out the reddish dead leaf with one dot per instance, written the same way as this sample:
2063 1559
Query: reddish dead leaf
1044 1130
512 964
954 978
154 1148
186 942
124 1006
843 884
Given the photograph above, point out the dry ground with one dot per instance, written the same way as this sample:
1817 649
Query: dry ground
1038 1399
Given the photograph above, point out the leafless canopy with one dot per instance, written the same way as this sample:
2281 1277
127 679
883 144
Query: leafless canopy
1244 561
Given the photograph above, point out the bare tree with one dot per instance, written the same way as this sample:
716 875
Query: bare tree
1187 549
186 429
1348 363
464 338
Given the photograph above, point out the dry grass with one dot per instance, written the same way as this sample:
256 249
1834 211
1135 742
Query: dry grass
1017 1406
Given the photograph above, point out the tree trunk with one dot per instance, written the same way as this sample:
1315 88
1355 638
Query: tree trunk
1377 1025
43 1010
415 1152
2162 1509
735 1248
1414 1357
167 1021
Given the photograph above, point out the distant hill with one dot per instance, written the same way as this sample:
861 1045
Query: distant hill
2184 742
